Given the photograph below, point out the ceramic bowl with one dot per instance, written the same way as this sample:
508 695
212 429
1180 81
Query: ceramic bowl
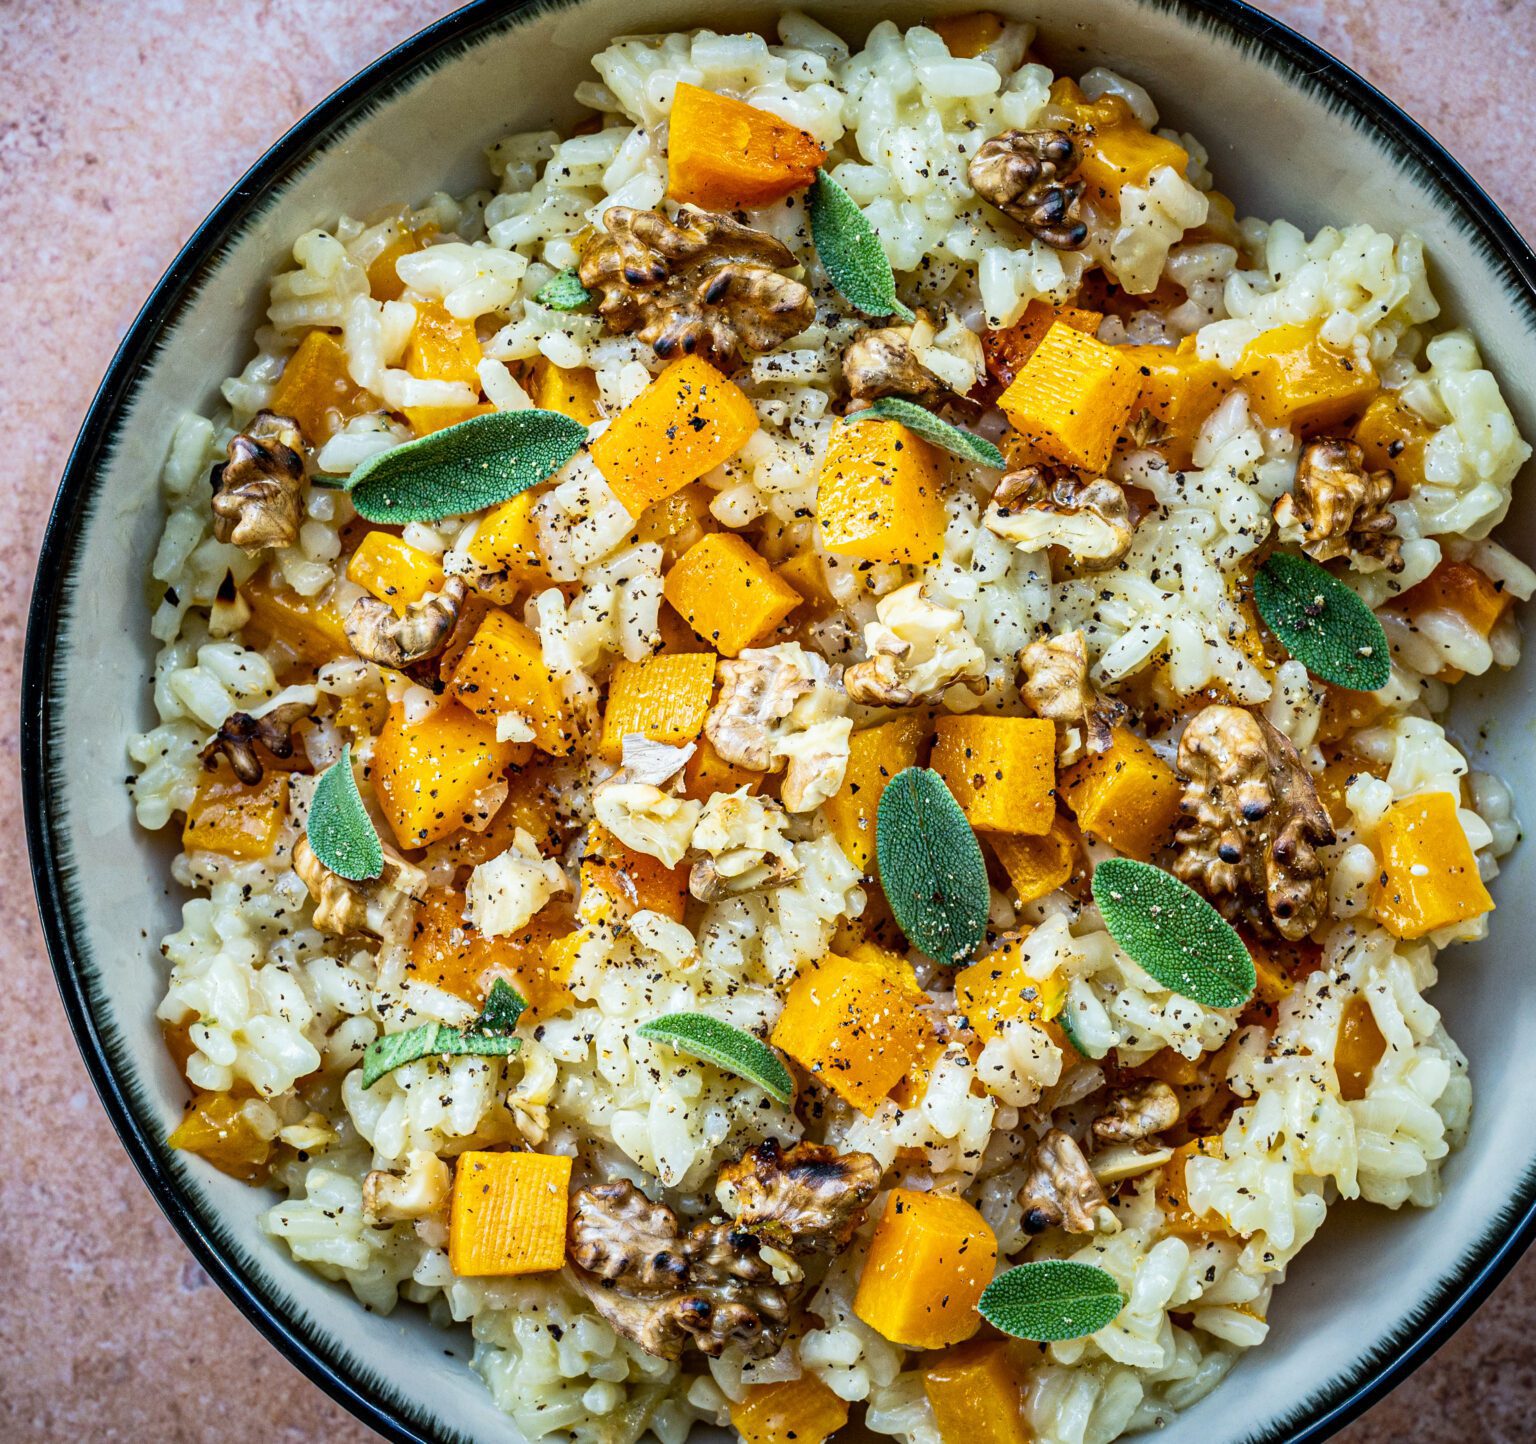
1292 133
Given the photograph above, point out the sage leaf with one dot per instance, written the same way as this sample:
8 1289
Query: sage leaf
504 1005
922 422
1171 932
717 1042
430 1040
340 832
1051 1300
477 463
931 866
564 293
1322 623
851 253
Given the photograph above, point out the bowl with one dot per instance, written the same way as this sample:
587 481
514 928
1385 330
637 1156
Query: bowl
1292 132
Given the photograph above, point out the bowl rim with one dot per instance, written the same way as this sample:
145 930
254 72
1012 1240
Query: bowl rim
1374 1376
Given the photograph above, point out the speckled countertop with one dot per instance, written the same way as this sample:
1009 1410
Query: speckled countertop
120 127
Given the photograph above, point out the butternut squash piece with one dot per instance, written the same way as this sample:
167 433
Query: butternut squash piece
218 1129
875 755
1293 380
229 817
686 422
1037 865
929 1260
1178 391
442 348
1458 587
394 571
431 776
997 989
310 627
1073 397
966 36
570 390
1334 781
617 882
1429 873
795 1411
724 155
805 573
910 1089
854 1025
1126 796
727 593
384 283
677 522
1360 1047
1346 711
1117 149
450 954
1173 1193
1001 770
880 495
664 698
317 390
707 772
502 670
534 805
975 1396
1007 348
1393 437
508 1214
505 550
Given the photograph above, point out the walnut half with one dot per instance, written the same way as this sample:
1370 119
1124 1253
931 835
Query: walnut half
377 634
1062 1191
1338 509
917 649
384 906
1026 175
256 491
1049 506
1055 685
879 362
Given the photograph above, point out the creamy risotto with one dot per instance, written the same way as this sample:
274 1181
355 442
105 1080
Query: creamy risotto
805 742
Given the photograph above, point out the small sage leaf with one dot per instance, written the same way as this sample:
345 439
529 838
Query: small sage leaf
931 866
922 422
340 832
504 1005
1172 933
701 1036
1322 623
564 293
477 463
851 253
1051 1300
430 1040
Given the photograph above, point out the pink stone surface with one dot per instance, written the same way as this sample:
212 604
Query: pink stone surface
120 127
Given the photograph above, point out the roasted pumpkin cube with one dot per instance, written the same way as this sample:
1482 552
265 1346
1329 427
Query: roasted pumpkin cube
317 390
1073 397
570 390
664 698
442 348
394 571
1001 770
686 422
448 953
677 522
1294 381
707 772
384 283
219 1128
1117 149
1458 587
1179 391
999 989
975 1396
502 671
1173 1193
1429 876
312 628
508 1214
1333 782
536 804
723 154
806 574
1392 437
966 36
617 882
931 1256
875 755
727 593
1037 865
880 495
233 818
1007 348
505 551
793 1411
1360 1046
1126 796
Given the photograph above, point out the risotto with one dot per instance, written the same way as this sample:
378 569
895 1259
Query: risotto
804 736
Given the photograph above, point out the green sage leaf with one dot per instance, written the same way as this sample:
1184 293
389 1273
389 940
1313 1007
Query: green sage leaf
340 832
931 866
564 293
430 1040
504 1005
477 463
1322 623
1051 1300
717 1042
851 252
1171 932
922 422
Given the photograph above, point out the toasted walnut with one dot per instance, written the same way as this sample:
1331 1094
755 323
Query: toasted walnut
647 819
880 363
256 491
1137 1113
704 285
421 631
1338 509
1056 686
1061 1190
1025 174
384 906
618 1235
916 650
807 1200
1254 823
419 1192
1048 506
240 733
747 846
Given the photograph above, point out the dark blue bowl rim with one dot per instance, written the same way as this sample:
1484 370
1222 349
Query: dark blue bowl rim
1443 1313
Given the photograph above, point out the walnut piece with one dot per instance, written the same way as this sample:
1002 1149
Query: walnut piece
384 907
256 491
916 649
1055 685
806 1201
647 819
1061 1190
1254 823
377 634
419 1192
1025 174
1137 1113
746 844
880 362
704 285
240 733
1338 509
1050 506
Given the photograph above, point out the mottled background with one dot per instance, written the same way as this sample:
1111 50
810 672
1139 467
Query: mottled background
120 126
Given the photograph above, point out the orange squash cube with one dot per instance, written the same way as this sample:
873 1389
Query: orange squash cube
617 882
930 1259
997 989
805 573
664 698
508 1214
1429 875
1173 1193
384 283
1117 149
1007 348
317 390
1179 390
1392 437
875 755
727 593
1458 587
1037 865
1293 380
230 817
502 670
535 804
723 154
442 348
1126 796
686 422
794 1411
1001 770
505 551
707 772
570 390
1360 1046
1073 397
966 36
394 571
218 1129
448 953
880 495
975 1396
311 627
